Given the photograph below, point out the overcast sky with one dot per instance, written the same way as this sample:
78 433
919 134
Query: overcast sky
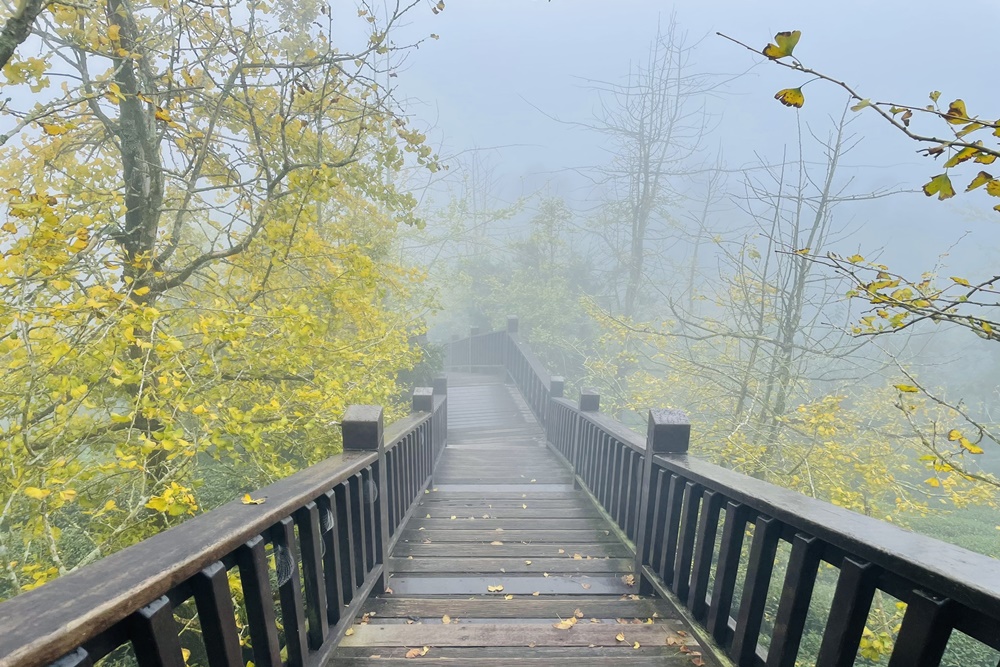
499 64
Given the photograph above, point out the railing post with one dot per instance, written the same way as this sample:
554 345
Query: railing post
557 386
362 431
590 401
423 399
441 430
668 432
512 324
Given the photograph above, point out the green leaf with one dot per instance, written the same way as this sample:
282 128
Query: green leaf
784 44
941 186
981 178
861 105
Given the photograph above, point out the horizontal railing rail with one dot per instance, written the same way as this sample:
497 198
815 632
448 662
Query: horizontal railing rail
321 536
671 505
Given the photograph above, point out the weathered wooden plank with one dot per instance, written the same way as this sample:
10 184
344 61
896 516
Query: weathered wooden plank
520 607
512 585
541 634
549 536
511 565
507 548
507 523
494 513
601 657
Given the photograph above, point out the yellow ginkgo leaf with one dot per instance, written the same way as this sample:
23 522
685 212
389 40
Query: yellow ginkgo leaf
954 434
941 186
791 97
161 114
54 130
982 178
906 388
956 114
36 493
993 188
565 625
961 156
961 281
969 446
620 636
247 500
784 44
113 32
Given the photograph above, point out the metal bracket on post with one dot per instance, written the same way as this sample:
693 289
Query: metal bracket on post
668 432
362 429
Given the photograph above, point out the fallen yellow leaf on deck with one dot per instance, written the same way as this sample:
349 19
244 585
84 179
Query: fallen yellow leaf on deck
536 593
620 636
565 625
635 645
508 597
446 619
578 613
527 562
350 631
417 652
496 543
494 589
247 500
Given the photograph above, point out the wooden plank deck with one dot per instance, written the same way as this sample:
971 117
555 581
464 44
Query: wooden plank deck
502 550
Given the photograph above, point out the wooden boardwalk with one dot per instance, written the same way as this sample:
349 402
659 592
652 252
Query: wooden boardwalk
505 560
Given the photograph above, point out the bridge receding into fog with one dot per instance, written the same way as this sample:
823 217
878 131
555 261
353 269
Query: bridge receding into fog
499 522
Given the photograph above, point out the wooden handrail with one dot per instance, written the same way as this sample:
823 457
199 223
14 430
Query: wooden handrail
670 506
339 506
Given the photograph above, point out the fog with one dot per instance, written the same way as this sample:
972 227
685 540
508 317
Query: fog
514 95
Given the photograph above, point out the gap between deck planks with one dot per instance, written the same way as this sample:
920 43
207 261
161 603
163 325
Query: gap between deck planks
503 513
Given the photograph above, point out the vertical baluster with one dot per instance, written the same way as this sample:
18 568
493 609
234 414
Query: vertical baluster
924 634
763 550
217 617
311 538
153 631
796 593
332 558
393 499
708 524
293 619
848 614
257 597
631 492
617 482
358 522
685 540
675 498
77 658
730 550
346 533
652 524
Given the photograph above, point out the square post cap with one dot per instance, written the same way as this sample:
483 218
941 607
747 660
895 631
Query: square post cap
590 400
557 384
669 432
473 331
440 385
423 399
362 428
512 324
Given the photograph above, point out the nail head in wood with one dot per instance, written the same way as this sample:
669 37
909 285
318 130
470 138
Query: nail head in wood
423 399
590 401
669 431
362 427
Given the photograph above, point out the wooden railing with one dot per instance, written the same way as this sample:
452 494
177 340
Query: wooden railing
670 505
322 535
